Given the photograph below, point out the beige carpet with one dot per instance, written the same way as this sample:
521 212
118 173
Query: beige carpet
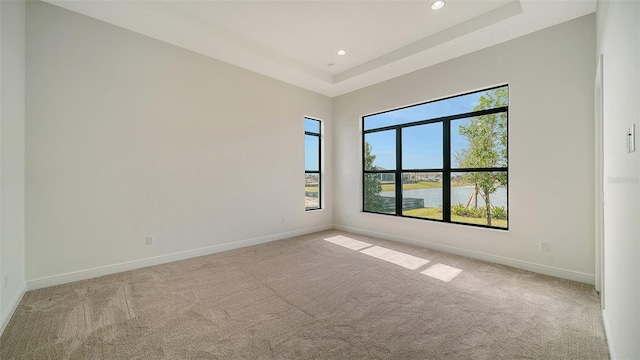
352 297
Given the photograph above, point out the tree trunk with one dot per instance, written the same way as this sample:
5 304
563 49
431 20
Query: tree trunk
475 200
487 202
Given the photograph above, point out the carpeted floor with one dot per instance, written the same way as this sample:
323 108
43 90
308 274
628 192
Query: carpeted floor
328 295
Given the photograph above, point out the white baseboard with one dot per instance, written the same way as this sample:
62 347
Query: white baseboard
13 305
137 264
162 259
520 264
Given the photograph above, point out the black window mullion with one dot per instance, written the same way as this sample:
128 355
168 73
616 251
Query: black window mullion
493 169
319 166
398 172
364 170
446 171
447 162
318 172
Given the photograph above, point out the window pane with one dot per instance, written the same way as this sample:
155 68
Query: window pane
380 150
379 193
411 149
422 194
312 179
459 143
312 125
311 191
422 147
481 100
472 191
479 142
311 155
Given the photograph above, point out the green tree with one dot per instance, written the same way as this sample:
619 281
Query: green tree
487 137
372 186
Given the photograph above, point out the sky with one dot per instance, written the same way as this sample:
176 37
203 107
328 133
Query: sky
311 144
421 145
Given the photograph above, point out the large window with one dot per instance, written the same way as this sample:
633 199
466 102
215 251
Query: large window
312 161
444 160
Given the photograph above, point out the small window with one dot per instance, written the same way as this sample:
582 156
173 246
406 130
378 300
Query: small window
312 164
444 160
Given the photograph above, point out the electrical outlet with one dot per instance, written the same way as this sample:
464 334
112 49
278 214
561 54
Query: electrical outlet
544 246
149 240
284 220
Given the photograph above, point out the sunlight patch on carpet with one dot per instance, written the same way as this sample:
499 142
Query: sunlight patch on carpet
442 272
395 257
348 242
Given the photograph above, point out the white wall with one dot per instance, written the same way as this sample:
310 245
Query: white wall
12 101
550 75
619 42
128 137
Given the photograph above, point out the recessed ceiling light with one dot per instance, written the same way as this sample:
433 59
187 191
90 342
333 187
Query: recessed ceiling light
437 5
342 52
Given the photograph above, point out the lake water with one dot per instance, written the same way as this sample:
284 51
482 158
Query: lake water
433 197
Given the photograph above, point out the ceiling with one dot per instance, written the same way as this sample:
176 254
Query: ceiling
297 41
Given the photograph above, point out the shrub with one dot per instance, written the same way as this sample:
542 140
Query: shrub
498 212
460 210
479 212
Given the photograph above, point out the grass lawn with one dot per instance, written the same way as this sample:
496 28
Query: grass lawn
311 188
436 213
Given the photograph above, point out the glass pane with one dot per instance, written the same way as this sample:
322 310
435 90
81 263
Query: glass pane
422 147
312 125
479 142
311 191
379 193
380 150
481 100
422 194
311 155
472 191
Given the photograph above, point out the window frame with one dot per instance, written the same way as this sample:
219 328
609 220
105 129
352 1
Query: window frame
446 169
319 171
